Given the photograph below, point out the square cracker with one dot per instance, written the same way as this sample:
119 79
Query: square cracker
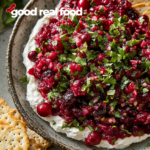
141 8
147 12
4 108
13 139
134 2
16 114
39 140
34 145
12 121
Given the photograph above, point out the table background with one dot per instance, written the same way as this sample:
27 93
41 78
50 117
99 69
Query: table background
4 91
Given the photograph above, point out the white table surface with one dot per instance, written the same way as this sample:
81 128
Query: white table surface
4 91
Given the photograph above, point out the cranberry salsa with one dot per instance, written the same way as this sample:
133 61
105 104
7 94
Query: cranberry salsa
93 70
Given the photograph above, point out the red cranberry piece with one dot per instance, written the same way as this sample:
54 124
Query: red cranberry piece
32 55
86 38
97 2
44 109
31 71
84 4
52 56
69 119
69 98
132 14
105 2
125 120
53 20
87 110
93 138
77 112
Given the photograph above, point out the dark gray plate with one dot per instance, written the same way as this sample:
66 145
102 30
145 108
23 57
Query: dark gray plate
15 70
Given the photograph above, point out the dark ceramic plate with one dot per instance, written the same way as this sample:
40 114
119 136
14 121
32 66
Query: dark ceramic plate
15 70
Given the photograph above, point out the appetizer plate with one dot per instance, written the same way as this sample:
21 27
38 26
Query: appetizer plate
16 70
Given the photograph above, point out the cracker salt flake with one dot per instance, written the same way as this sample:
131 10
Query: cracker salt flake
134 2
39 140
4 108
34 145
12 138
141 8
12 121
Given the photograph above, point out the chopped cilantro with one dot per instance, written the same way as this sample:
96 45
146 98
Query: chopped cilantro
110 80
81 61
91 103
126 131
124 82
25 79
145 90
111 92
103 119
113 141
74 18
53 122
107 100
38 50
80 128
77 26
62 58
142 20
82 118
71 40
91 55
116 14
91 129
145 65
139 133
147 80
74 123
98 86
68 28
114 103
102 10
117 114
132 42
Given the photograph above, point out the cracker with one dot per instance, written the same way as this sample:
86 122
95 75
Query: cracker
4 108
134 2
34 145
17 115
12 121
141 8
39 140
13 139
147 13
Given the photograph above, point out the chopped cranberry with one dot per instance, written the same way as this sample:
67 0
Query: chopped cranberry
52 56
86 38
131 13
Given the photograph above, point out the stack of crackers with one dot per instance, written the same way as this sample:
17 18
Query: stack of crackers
141 6
14 133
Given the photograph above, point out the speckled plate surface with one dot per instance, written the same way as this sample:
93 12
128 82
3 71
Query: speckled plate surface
15 70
